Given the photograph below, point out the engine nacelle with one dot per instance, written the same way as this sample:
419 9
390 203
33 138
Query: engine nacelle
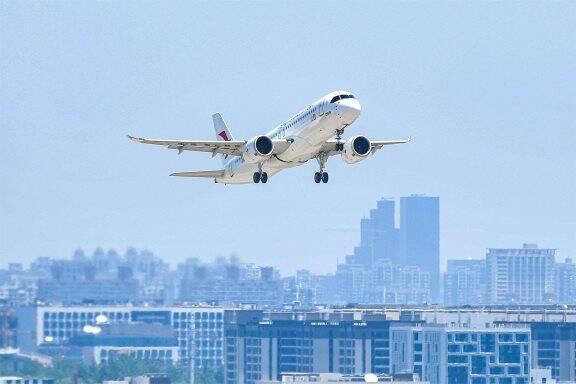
356 149
258 149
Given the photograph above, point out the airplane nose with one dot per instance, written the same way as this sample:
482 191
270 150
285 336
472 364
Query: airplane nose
349 110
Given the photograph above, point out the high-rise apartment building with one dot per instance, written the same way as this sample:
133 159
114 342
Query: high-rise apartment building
465 282
384 283
355 284
520 275
401 284
566 282
230 284
420 237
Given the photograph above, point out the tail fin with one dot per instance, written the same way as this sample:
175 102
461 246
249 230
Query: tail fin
222 132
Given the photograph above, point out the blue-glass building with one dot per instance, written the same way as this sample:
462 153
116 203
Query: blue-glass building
259 348
442 354
488 356
420 237
554 347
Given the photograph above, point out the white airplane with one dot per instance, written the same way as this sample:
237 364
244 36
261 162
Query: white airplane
313 133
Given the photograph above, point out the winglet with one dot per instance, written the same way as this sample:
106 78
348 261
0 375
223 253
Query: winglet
137 139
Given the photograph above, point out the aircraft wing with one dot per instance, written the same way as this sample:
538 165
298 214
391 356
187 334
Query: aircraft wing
233 147
225 147
330 145
378 144
210 174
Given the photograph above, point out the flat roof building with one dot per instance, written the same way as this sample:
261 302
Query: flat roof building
259 348
520 275
200 328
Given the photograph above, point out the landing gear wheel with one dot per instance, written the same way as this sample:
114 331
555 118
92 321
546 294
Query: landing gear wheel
317 177
324 177
256 177
264 177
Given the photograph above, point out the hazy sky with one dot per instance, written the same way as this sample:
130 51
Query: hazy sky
486 89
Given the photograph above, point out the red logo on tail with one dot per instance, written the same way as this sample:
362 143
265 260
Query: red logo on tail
224 136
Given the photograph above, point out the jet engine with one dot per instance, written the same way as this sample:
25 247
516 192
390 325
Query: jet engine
258 149
356 149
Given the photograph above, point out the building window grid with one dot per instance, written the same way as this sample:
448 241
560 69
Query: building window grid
494 368
60 326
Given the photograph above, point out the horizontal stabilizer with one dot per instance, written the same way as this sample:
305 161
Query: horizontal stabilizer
209 174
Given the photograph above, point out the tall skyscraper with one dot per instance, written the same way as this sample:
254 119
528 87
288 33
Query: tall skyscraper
420 237
465 282
378 236
520 276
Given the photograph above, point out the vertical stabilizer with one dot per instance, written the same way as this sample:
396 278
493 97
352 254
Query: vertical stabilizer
222 132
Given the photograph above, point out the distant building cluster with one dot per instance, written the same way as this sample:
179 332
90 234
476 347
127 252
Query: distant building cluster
509 318
524 276
394 265
139 277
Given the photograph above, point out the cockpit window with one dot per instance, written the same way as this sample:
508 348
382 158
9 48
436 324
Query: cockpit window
341 97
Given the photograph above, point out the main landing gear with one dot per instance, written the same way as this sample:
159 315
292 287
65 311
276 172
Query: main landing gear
260 176
321 176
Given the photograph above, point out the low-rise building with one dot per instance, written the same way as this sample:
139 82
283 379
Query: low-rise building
325 378
199 330
554 348
457 355
25 380
263 348
102 343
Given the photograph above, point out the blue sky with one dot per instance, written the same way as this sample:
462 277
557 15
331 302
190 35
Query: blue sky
486 89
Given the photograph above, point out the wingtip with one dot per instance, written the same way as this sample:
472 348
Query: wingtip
134 138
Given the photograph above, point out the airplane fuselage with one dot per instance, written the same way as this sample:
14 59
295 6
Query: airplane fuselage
308 130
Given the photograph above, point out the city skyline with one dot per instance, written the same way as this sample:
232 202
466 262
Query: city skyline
393 222
487 92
